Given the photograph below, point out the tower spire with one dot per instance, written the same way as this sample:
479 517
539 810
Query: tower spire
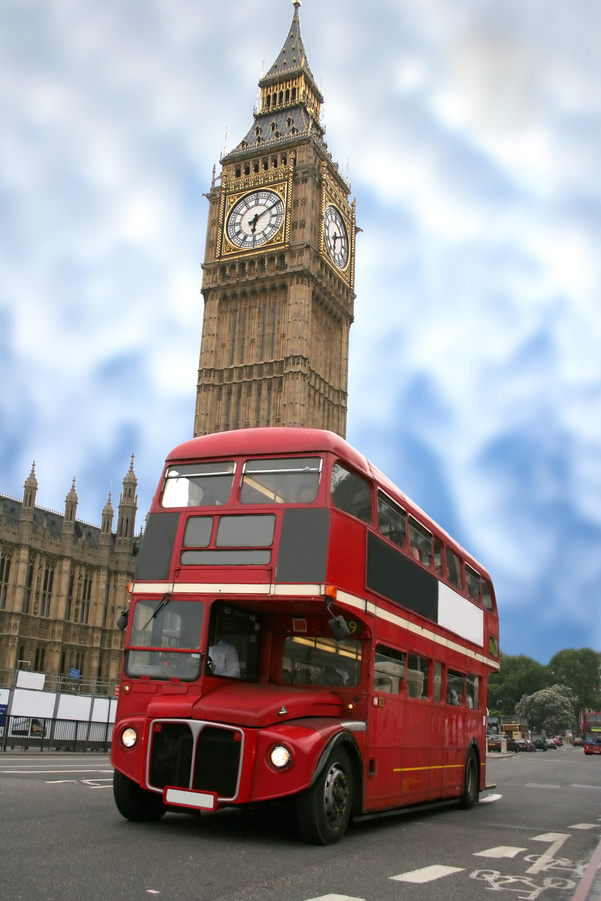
290 100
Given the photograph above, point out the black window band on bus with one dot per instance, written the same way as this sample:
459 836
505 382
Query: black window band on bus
396 577
234 557
156 553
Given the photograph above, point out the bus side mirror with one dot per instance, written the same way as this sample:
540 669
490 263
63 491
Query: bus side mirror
338 626
122 621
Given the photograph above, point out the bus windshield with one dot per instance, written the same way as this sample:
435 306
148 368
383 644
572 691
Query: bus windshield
164 642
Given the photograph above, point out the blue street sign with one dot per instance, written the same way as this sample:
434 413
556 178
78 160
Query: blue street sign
74 673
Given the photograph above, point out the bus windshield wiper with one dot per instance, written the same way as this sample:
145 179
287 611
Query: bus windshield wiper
160 606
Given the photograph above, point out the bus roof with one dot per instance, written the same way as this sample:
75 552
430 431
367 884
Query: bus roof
270 440
290 439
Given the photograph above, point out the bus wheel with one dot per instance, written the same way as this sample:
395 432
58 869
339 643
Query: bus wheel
135 803
471 782
323 811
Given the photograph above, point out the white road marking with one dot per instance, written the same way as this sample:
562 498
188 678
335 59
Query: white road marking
558 839
94 783
335 898
489 798
427 874
584 826
500 851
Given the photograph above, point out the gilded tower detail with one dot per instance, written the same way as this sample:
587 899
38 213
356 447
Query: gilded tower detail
278 273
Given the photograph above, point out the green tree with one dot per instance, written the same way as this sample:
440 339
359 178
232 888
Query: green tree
551 709
581 672
518 676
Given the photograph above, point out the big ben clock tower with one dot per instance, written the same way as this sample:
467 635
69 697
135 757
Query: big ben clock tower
278 273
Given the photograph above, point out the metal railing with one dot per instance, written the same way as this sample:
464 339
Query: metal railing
64 684
45 734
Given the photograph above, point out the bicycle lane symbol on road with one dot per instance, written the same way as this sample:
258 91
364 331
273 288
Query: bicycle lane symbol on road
527 888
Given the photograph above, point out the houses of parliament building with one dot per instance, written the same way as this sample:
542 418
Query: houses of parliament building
278 290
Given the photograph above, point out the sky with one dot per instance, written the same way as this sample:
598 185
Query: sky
471 135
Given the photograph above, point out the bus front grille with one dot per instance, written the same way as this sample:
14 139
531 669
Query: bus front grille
195 755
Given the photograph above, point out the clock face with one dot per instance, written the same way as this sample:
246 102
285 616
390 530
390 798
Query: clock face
336 237
254 219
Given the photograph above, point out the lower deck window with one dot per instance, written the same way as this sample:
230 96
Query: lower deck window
418 673
389 669
321 661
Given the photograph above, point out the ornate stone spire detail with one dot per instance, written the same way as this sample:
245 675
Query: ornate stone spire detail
31 488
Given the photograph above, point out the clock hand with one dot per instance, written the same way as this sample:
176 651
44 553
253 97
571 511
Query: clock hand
253 222
267 208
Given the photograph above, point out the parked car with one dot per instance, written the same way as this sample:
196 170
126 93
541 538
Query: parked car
539 742
524 744
550 744
559 740
493 743
577 741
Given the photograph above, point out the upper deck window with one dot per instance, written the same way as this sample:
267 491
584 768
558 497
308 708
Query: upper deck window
198 484
453 569
392 521
487 595
472 580
351 493
420 540
292 480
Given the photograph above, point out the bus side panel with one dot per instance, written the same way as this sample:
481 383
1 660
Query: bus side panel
455 744
385 732
346 566
416 754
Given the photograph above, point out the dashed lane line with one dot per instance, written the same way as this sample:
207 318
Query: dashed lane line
427 874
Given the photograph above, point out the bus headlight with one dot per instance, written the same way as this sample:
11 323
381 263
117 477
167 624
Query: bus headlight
280 757
129 737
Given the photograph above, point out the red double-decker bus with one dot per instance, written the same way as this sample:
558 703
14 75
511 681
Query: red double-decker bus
591 725
299 629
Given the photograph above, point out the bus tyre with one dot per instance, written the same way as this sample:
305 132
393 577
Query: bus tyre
323 811
135 803
471 782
